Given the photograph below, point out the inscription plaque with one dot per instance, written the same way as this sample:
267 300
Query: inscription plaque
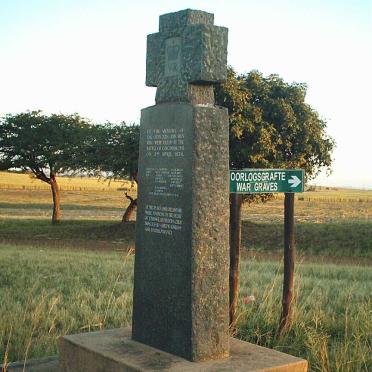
165 142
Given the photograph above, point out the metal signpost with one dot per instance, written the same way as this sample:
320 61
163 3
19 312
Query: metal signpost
250 181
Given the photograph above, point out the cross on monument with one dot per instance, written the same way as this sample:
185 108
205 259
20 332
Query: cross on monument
186 57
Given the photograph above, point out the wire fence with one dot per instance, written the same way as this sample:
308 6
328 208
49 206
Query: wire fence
62 188
335 199
317 198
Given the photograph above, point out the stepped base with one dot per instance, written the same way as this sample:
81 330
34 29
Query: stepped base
114 351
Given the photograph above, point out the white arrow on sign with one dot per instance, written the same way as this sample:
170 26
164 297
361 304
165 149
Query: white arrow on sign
294 181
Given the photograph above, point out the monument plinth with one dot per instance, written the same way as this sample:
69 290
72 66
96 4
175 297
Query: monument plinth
180 302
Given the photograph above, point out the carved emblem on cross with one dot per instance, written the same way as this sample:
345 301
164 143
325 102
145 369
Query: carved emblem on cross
186 57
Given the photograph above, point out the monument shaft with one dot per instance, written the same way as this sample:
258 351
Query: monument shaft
181 300
181 281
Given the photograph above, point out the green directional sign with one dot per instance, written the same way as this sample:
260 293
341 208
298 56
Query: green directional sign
246 181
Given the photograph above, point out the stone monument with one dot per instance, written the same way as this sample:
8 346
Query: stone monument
181 302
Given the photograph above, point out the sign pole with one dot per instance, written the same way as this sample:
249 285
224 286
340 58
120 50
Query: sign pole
251 181
235 239
289 261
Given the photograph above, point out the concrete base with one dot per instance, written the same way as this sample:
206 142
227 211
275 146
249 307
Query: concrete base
115 351
48 364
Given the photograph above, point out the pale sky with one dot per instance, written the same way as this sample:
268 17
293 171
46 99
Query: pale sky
88 56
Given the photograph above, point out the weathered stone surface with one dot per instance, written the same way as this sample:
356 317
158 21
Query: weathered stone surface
47 364
189 49
210 234
114 351
173 21
181 268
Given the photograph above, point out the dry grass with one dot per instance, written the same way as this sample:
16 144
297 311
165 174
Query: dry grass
337 194
28 200
314 211
10 180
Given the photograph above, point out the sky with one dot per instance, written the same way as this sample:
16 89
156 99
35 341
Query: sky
89 56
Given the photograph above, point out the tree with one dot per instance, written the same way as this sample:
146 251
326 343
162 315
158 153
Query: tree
113 153
271 125
45 145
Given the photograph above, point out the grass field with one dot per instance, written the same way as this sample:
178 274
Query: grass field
15 181
324 226
50 292
339 242
46 293
76 276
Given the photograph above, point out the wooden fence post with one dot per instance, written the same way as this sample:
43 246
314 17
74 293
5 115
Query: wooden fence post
289 262
235 239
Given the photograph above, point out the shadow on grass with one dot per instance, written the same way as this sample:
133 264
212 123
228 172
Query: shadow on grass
68 233
330 239
352 239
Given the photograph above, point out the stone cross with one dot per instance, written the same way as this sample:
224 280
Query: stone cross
180 300
186 57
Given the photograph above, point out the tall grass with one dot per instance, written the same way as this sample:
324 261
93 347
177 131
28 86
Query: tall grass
332 317
47 293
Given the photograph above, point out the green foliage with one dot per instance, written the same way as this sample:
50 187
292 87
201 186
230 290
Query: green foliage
271 125
44 145
113 150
